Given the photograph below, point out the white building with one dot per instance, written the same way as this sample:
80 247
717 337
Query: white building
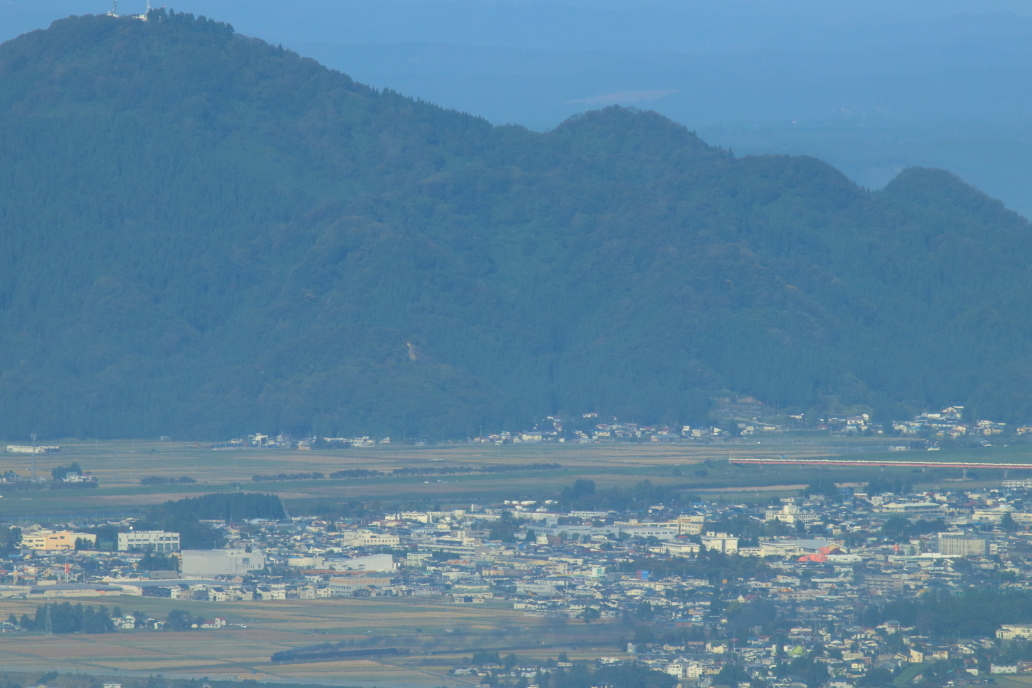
220 562
962 545
791 514
375 562
722 542
367 538
690 525
660 531
1014 631
345 586
148 541
28 449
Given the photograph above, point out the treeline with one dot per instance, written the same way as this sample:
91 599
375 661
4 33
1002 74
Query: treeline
709 565
902 529
10 538
430 470
623 675
29 487
159 480
226 506
65 618
495 468
942 615
582 496
185 516
827 488
288 476
329 651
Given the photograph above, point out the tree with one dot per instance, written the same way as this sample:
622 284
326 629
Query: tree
177 620
61 472
825 487
580 494
878 677
590 614
505 528
808 671
731 674
158 562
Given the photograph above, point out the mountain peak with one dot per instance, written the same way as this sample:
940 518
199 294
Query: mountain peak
943 191
205 235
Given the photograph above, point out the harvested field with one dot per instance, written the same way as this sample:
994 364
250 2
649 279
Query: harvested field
121 465
435 632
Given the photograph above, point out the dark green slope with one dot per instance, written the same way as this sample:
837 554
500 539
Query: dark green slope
201 234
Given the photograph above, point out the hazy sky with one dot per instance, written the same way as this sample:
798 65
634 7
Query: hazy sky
702 27
871 86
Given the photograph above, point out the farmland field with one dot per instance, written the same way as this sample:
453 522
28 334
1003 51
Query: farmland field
121 465
437 632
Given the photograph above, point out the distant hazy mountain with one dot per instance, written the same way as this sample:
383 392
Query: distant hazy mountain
202 234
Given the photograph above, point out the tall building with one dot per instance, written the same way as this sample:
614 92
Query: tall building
962 545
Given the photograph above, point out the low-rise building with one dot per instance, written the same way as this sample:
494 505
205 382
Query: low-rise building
49 540
220 562
148 541
1015 632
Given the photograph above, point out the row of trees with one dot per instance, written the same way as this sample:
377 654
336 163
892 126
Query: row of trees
68 618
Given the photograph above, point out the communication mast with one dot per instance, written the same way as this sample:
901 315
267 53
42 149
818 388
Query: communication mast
33 457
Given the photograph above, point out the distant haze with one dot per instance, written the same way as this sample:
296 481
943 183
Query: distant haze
872 87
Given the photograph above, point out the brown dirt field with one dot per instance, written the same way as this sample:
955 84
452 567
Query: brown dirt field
274 626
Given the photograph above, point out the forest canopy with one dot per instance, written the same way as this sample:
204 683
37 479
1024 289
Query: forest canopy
205 235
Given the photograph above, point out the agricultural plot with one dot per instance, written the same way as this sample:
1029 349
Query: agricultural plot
120 467
436 634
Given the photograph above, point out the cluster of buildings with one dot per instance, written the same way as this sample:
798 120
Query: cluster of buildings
949 423
742 417
747 417
679 579
285 441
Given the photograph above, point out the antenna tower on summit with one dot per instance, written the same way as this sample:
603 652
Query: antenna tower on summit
114 8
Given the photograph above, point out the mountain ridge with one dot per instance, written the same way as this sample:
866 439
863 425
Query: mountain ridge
202 234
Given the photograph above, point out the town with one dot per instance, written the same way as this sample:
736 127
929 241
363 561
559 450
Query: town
738 418
835 587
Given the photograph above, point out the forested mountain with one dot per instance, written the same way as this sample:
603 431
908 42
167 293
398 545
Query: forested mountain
202 234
